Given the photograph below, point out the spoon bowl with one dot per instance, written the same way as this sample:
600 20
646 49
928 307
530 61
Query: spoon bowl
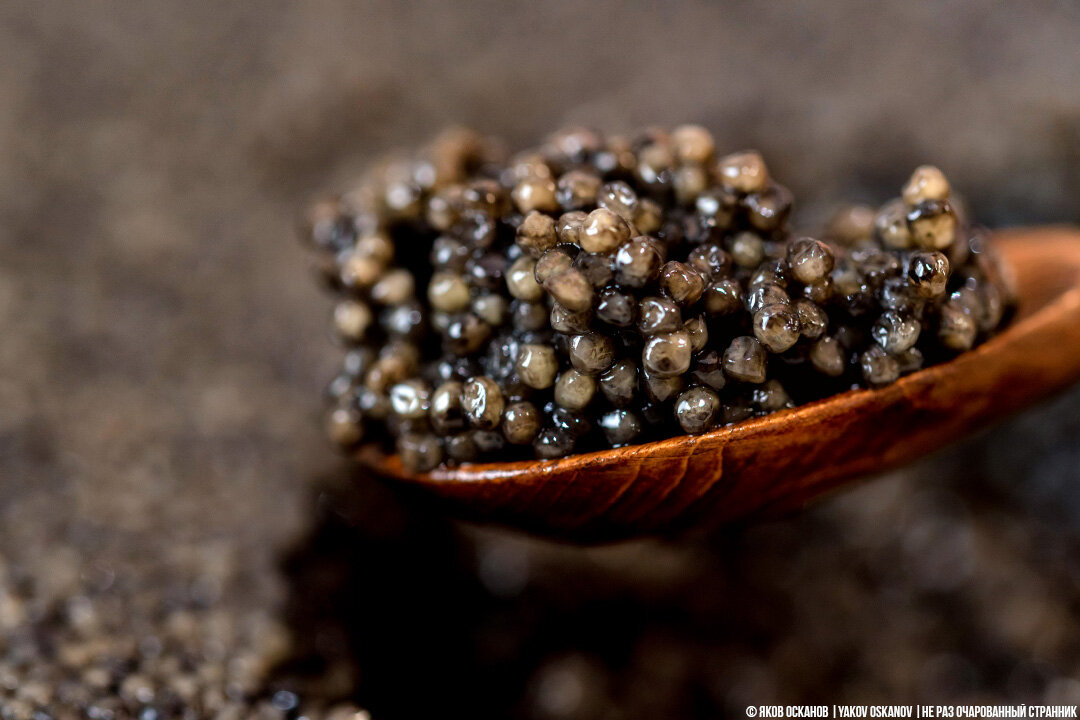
771 465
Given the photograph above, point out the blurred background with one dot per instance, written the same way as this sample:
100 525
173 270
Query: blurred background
176 538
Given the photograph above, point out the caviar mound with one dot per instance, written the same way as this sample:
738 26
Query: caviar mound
604 291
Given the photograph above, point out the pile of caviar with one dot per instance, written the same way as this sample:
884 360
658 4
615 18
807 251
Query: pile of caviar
601 291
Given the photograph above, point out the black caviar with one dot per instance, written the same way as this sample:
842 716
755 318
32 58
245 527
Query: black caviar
604 291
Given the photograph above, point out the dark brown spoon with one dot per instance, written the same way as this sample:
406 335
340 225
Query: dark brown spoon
770 465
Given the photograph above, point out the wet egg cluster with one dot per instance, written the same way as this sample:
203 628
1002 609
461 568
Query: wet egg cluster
601 291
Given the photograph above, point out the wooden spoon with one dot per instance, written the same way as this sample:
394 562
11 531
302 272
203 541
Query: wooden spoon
770 465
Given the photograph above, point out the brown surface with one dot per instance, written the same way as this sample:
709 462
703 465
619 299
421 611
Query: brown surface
162 352
775 464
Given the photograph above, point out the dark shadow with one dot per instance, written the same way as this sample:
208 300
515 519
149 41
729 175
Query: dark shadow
383 608
409 614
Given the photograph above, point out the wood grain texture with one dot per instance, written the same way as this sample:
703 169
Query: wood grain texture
771 465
